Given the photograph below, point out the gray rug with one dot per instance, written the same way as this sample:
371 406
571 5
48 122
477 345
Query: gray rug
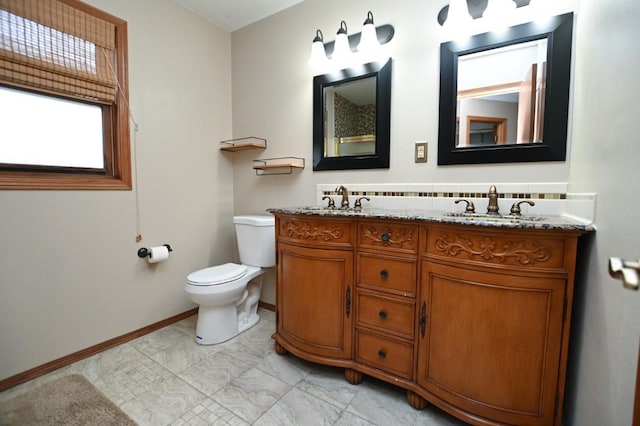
69 400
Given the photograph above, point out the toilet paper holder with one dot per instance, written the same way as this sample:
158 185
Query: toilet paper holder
144 252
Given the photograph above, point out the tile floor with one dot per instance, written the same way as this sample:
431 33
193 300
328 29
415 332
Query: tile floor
165 378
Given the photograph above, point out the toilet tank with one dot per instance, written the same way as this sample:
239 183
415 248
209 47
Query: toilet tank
256 239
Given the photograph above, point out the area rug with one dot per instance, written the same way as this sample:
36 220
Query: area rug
69 400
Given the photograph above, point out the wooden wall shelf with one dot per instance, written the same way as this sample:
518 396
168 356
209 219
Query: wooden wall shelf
242 144
277 166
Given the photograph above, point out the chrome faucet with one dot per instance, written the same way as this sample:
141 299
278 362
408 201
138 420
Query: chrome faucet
493 207
345 196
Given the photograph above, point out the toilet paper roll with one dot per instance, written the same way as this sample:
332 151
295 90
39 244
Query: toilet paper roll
158 254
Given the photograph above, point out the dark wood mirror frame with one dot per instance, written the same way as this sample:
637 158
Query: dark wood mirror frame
378 160
558 32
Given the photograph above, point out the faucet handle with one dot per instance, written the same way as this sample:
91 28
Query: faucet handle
515 209
332 204
358 204
470 207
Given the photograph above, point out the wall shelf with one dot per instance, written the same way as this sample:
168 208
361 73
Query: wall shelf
241 144
277 166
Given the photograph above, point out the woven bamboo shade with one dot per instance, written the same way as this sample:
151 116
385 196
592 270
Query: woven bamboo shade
50 46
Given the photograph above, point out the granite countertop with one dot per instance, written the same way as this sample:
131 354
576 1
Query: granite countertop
548 222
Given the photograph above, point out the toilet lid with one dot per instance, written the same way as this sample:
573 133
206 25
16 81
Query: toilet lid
217 274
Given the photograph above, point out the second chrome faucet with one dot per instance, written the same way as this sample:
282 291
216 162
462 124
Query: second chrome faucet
342 190
493 208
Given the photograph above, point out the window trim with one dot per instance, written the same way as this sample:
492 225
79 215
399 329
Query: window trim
119 154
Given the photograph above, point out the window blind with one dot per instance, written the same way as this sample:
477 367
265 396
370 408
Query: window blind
51 46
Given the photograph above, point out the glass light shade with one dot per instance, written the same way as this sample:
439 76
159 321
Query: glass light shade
458 15
341 50
318 55
369 44
499 11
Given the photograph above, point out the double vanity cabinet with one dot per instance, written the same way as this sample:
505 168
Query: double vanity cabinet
471 317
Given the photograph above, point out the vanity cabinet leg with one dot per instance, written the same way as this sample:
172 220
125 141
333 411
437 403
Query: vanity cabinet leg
416 401
280 350
354 377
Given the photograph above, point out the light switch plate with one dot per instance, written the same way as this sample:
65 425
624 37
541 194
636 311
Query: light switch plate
421 152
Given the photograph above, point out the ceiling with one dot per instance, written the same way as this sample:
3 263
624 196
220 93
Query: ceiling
232 15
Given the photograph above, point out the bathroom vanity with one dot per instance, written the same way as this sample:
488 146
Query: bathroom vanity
468 314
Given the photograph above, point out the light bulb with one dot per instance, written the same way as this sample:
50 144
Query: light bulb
318 55
341 49
498 13
458 16
369 44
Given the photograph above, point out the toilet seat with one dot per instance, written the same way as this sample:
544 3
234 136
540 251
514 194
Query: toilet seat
216 275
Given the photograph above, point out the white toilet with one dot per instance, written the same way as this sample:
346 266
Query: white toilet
228 294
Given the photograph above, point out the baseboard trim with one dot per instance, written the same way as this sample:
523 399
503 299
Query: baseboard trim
267 306
90 351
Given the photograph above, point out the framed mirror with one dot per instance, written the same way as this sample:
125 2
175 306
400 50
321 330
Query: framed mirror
504 96
351 118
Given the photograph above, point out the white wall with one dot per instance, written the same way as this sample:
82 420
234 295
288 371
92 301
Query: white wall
272 98
605 156
69 274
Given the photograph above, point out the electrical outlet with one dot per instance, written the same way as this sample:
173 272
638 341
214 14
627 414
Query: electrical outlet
421 152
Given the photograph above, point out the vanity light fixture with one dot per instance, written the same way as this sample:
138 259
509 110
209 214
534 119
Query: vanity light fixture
369 43
458 16
318 55
468 11
366 44
342 51
498 12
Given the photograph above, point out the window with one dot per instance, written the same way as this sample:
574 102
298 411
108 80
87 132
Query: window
64 121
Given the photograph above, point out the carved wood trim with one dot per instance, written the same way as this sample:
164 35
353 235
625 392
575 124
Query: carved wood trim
487 250
387 236
307 231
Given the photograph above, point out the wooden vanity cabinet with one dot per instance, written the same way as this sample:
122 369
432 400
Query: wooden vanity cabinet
472 319
314 288
493 336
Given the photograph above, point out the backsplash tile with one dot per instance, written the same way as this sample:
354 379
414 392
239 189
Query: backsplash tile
550 198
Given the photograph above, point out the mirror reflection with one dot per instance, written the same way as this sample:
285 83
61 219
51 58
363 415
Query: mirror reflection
498 104
504 95
350 118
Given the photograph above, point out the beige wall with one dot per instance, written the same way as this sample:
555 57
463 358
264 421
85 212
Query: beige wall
69 277
272 98
69 274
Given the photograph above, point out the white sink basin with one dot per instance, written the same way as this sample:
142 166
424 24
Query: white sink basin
494 218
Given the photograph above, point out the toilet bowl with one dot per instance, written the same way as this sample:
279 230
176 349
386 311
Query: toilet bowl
228 294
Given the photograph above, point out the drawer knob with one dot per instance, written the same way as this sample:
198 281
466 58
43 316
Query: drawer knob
382 354
384 274
385 237
382 314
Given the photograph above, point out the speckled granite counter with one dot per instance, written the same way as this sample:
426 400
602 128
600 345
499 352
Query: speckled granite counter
558 223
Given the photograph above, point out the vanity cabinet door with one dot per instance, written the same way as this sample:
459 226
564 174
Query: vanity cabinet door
490 343
314 299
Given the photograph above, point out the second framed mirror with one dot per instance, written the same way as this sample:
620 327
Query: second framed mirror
351 118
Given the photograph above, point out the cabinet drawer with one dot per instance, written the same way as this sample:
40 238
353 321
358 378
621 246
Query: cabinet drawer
395 237
518 250
314 231
386 314
386 354
385 273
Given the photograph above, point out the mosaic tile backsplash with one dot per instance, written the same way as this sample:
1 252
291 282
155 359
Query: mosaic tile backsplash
549 198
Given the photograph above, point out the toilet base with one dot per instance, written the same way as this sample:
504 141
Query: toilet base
217 324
